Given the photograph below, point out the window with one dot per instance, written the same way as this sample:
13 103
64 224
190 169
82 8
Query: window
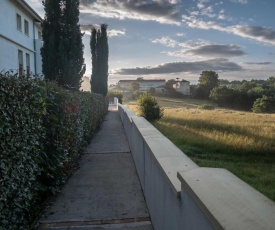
18 21
26 27
39 35
28 68
20 62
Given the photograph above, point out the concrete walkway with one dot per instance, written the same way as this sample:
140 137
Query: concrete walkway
104 193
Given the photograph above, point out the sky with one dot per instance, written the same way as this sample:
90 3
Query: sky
169 39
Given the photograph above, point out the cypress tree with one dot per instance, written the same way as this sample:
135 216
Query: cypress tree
71 47
51 26
62 52
100 55
104 59
94 78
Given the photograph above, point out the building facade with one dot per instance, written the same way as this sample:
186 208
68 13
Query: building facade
144 85
183 87
20 38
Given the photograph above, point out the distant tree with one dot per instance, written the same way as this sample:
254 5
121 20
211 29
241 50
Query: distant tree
264 105
115 93
270 85
207 81
246 85
222 95
100 57
193 90
51 35
270 81
136 94
224 82
152 91
234 84
134 86
71 47
256 92
170 83
140 79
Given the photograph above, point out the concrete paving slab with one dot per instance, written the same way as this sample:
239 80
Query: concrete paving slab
111 137
105 187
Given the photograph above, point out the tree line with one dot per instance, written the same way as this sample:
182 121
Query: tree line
255 95
62 51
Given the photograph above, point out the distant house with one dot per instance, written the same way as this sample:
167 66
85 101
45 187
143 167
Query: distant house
85 85
20 37
144 85
183 87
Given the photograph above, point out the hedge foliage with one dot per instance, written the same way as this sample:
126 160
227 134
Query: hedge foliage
43 129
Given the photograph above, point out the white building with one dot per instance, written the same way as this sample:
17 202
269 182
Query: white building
20 37
183 87
144 85
86 85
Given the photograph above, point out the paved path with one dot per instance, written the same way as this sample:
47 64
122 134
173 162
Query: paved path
104 193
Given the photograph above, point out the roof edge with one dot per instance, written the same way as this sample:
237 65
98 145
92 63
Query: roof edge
29 9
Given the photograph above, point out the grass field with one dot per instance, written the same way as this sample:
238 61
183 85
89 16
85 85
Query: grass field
242 142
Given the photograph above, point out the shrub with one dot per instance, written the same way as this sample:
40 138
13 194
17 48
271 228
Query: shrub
149 107
43 129
264 105
137 94
117 94
206 107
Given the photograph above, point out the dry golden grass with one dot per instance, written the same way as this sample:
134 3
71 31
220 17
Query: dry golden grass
242 142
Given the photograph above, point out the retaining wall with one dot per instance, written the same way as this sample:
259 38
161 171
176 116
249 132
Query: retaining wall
181 195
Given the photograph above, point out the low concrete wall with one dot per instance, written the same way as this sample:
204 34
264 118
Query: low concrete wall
181 195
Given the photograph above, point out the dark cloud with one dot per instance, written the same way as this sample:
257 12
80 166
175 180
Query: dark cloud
217 51
258 63
218 64
163 11
258 33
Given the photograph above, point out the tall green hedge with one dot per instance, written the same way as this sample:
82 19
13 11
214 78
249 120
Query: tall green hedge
43 129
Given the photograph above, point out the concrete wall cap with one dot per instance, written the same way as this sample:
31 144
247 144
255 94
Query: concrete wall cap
228 201
141 122
129 112
171 165
162 147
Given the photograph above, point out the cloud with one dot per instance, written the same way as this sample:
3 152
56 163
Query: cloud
37 6
258 63
116 33
261 34
200 48
111 33
208 11
240 1
162 11
217 51
181 34
255 32
218 64
166 41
